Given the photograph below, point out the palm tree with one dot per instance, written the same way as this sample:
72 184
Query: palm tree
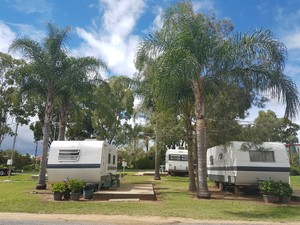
45 76
80 73
180 96
201 51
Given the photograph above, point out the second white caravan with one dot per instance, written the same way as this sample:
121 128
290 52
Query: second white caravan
243 164
177 161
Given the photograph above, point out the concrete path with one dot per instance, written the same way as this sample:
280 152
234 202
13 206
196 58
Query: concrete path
127 191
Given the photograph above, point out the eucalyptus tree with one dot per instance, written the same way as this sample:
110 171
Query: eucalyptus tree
114 108
267 127
203 52
80 74
45 75
12 103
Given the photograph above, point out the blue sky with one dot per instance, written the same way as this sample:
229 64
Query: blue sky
111 29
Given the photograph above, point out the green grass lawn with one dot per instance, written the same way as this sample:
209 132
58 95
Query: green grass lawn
174 200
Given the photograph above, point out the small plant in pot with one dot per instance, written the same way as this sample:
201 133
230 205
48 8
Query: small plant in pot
58 189
283 191
75 187
66 194
275 191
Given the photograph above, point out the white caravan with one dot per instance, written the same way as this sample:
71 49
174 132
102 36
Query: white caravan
244 164
90 160
177 161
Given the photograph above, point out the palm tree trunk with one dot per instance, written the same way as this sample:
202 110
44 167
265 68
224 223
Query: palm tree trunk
64 113
41 184
157 156
189 130
201 141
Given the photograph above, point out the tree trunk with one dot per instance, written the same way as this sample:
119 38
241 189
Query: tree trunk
41 184
64 113
157 174
201 141
189 130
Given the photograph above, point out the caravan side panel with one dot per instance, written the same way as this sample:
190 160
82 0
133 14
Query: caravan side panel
75 160
232 165
269 164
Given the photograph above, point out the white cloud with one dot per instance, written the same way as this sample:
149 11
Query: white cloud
292 40
157 22
32 6
111 36
28 31
6 37
205 5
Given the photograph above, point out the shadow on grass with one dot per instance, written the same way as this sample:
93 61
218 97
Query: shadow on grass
279 213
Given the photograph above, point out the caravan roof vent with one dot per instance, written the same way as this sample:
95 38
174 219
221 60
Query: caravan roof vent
68 155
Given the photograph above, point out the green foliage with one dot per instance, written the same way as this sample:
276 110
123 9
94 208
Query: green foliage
276 188
37 128
11 101
75 185
59 187
145 163
20 162
267 127
295 165
114 109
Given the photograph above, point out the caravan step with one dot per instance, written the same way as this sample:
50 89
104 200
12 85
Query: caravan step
127 191
125 200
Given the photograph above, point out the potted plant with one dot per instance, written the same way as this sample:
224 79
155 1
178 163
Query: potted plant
275 191
58 189
75 187
66 194
283 191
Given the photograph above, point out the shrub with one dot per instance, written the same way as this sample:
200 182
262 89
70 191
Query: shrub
75 185
276 188
144 163
59 187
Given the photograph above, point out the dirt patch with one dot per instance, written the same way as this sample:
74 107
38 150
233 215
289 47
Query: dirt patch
254 196
250 195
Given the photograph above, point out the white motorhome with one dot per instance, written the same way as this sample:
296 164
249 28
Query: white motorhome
90 160
244 164
176 161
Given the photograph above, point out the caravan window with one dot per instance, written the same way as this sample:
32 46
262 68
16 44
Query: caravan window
184 157
109 157
178 157
262 156
68 154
